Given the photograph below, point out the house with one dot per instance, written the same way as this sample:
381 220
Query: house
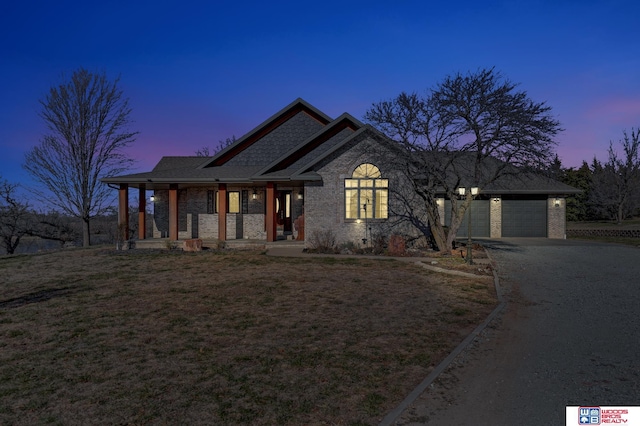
302 172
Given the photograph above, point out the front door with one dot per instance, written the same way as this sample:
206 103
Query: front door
283 210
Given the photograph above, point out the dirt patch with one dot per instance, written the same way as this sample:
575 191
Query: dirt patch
222 337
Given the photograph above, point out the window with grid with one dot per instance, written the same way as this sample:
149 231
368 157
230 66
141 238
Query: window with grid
366 194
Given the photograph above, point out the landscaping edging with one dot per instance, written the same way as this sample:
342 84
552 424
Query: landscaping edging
622 233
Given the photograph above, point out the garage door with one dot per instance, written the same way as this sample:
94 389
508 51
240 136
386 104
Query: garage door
524 218
480 227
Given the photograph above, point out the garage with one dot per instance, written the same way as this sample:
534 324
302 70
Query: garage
480 219
524 218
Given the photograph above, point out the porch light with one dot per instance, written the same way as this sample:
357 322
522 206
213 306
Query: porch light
557 202
254 196
300 195
496 199
462 191
152 198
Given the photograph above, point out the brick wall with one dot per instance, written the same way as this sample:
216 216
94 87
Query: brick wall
556 217
495 217
325 202
195 222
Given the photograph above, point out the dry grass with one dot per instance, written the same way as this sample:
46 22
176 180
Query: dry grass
97 336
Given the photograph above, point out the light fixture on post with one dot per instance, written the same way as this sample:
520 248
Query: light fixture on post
364 207
474 191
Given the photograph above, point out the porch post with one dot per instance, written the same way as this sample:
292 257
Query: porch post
123 211
271 212
142 217
222 212
173 212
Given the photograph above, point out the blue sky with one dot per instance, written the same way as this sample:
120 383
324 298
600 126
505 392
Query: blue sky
199 72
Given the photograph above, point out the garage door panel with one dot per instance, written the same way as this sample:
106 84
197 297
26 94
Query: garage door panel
480 219
524 218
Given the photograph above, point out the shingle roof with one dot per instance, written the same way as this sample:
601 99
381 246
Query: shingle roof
168 163
289 146
528 183
277 142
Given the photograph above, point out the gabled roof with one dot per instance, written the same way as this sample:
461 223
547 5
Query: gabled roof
277 135
316 144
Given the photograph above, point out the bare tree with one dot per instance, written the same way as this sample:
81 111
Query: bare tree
15 217
470 130
87 119
614 191
205 151
53 226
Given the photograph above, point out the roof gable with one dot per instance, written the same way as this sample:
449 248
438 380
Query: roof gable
315 145
273 137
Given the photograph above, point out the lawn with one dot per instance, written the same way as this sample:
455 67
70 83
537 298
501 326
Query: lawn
95 336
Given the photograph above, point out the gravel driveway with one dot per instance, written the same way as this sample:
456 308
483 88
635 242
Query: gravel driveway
570 335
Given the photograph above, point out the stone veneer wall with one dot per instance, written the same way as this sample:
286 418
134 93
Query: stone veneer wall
324 201
556 218
495 217
195 222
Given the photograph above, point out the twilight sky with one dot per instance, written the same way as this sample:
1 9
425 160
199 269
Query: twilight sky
199 72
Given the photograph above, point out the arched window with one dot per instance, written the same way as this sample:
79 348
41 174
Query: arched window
366 194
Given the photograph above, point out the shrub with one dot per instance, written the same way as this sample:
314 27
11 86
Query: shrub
322 241
349 247
379 244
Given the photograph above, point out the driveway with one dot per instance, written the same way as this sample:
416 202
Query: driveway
570 335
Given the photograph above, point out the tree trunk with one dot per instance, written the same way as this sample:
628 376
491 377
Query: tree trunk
444 237
10 245
86 235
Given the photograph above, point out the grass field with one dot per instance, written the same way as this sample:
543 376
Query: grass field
143 337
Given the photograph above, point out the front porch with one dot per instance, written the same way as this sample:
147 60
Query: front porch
245 244
238 214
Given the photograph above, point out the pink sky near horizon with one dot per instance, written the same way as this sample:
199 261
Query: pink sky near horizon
197 72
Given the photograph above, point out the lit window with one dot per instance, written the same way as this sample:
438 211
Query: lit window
234 202
366 194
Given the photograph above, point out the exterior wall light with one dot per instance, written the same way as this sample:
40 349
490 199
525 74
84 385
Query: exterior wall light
152 198
254 195
496 199
300 195
557 202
